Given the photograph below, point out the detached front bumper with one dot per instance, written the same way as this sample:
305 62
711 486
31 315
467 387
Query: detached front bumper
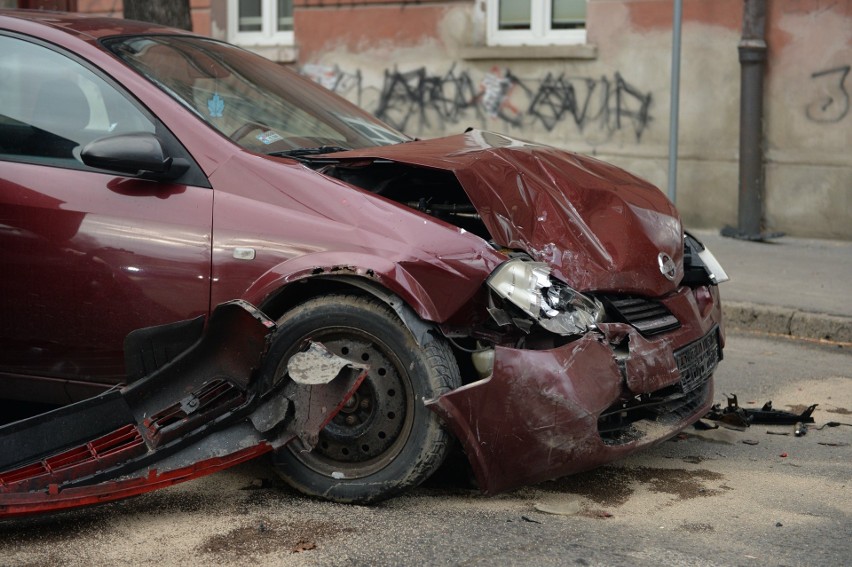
545 414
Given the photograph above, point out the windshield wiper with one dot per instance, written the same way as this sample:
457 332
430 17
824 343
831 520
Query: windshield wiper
300 153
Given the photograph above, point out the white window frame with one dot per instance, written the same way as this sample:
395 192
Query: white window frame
540 32
268 34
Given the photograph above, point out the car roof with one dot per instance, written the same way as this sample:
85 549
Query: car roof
90 27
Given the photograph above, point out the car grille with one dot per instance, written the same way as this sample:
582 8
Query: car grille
697 361
648 316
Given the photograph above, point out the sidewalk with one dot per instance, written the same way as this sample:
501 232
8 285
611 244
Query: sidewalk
789 286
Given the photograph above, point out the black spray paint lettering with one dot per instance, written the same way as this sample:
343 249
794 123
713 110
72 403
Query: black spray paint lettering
609 104
416 100
411 101
833 104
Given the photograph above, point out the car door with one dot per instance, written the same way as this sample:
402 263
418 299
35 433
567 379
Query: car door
87 256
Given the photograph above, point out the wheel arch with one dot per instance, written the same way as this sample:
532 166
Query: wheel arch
295 280
291 294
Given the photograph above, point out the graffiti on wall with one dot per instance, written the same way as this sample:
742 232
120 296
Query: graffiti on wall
334 79
832 102
612 104
417 100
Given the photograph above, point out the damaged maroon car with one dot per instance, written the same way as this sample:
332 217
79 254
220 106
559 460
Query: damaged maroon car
208 258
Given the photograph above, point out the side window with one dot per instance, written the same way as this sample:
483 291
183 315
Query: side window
51 106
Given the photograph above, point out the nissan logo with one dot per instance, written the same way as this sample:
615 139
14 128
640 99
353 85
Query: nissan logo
667 266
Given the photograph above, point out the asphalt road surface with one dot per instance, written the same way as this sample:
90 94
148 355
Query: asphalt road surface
717 497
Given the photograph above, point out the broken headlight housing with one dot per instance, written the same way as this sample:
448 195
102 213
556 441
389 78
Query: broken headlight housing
551 303
700 266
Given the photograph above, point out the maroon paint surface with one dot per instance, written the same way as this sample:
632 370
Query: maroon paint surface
91 258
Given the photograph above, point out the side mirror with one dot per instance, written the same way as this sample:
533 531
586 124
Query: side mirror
140 154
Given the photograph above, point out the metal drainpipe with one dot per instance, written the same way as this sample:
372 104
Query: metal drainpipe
752 49
675 99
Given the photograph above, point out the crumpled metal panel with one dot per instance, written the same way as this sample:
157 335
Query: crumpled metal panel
596 225
198 414
535 418
650 364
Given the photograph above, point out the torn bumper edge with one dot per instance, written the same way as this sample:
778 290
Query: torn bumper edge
536 417
90 463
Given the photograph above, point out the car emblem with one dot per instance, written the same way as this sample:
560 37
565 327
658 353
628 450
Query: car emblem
667 266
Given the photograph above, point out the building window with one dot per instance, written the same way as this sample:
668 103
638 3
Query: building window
260 22
536 22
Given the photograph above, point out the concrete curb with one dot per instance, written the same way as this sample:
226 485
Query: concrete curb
786 321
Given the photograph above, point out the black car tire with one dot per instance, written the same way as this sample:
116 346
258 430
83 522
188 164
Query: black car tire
385 440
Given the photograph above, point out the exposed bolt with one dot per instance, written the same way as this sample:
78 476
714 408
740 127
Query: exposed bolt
365 403
351 420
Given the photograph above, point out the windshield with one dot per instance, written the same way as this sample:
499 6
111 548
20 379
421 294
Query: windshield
256 103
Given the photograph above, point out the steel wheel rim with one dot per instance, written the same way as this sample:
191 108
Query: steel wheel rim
372 429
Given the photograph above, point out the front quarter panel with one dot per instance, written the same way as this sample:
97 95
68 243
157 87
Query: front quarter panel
276 222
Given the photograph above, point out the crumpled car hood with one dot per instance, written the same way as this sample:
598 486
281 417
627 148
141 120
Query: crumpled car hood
598 227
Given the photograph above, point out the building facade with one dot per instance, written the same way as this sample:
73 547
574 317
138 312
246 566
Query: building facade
587 75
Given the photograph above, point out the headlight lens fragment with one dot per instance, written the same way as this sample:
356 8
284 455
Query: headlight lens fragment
551 303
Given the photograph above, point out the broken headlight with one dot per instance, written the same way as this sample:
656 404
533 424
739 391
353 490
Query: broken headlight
551 303
700 266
